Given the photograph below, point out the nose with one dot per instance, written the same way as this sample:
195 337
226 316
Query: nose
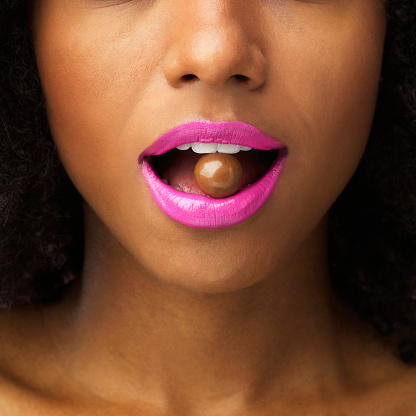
214 42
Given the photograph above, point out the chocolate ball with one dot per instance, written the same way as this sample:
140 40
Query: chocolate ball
218 174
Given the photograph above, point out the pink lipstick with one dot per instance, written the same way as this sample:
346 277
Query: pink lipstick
200 211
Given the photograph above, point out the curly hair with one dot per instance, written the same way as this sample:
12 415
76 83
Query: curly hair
372 227
40 211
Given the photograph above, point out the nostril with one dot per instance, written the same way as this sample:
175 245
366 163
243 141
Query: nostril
189 76
238 78
241 78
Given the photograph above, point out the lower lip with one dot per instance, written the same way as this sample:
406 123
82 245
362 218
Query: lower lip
200 211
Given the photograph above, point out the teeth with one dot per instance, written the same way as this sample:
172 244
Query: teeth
213 147
204 147
228 148
184 146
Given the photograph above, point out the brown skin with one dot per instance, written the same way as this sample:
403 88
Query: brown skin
169 320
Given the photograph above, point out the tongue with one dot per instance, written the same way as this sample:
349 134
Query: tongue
177 168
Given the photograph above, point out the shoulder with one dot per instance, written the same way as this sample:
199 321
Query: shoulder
404 392
394 397
23 362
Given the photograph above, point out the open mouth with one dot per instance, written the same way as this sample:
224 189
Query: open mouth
176 167
168 168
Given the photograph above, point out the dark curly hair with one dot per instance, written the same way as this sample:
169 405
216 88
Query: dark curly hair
372 227
40 211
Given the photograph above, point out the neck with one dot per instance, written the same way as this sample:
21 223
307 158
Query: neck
169 342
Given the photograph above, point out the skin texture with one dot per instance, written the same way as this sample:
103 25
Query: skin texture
169 320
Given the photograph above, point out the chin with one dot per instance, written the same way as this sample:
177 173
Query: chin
211 280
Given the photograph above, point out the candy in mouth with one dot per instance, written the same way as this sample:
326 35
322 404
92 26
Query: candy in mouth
165 169
176 167
218 175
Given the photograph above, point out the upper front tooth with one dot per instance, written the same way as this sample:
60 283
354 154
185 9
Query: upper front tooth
228 148
184 146
198 147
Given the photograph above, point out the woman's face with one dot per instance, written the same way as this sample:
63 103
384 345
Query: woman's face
118 74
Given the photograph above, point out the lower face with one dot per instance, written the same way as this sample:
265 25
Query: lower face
117 75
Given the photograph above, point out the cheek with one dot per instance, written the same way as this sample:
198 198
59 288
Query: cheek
331 69
94 66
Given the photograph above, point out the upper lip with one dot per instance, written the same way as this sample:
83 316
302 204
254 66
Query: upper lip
234 132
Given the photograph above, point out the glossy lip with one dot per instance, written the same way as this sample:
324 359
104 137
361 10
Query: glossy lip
200 211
